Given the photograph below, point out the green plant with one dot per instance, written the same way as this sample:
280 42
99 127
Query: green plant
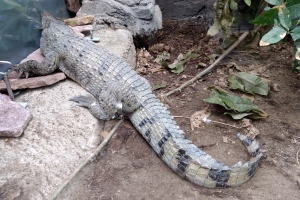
284 15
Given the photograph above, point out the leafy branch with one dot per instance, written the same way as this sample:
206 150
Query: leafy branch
284 15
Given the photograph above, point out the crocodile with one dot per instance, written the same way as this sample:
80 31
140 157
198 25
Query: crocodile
115 89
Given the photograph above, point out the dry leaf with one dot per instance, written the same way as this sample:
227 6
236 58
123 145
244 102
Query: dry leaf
237 67
157 48
221 82
225 139
143 58
275 87
104 134
252 132
198 118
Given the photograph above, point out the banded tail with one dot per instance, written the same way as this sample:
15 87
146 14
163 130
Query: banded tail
159 128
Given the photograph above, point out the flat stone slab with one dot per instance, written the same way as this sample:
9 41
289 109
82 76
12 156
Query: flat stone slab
13 117
34 82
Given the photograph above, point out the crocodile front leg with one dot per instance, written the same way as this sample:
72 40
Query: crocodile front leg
47 66
100 109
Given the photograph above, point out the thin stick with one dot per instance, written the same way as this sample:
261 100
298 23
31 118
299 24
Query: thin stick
297 157
240 39
224 124
88 159
181 117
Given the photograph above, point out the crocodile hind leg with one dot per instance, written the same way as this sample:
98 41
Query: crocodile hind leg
47 66
100 109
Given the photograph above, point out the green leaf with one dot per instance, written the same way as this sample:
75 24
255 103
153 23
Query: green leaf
285 17
160 86
291 2
276 34
297 55
248 83
234 103
178 68
224 16
201 65
179 64
297 44
295 33
214 29
164 56
294 11
164 63
266 18
275 2
248 2
235 115
189 55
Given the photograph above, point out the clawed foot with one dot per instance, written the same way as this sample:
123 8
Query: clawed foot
21 69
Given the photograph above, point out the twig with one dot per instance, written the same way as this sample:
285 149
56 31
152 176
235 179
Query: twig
297 157
181 117
209 121
240 39
224 124
88 159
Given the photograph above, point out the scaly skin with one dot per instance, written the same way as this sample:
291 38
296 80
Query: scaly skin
116 88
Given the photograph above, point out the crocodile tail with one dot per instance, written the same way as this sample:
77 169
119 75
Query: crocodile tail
159 128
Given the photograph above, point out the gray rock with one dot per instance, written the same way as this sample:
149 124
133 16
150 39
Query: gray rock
13 117
120 42
186 9
142 17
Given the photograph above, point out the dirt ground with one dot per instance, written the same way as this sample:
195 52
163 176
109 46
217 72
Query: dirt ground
129 169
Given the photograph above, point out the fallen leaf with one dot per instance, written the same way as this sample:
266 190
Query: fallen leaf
221 82
275 87
225 139
104 134
179 64
248 83
160 86
164 56
238 107
201 65
198 118
252 132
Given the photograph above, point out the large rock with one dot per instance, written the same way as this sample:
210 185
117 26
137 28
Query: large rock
186 9
142 17
13 117
120 42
